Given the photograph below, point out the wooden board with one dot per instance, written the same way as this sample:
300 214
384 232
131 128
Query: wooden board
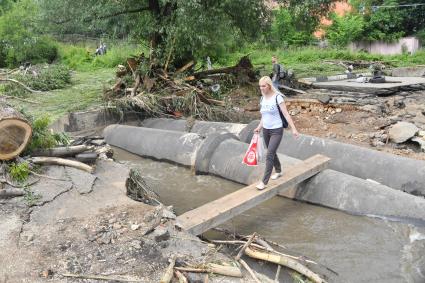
219 211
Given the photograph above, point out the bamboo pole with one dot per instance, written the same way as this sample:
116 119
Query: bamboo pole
285 261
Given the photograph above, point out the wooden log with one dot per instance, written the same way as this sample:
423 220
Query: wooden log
61 161
180 277
62 151
168 274
15 132
231 271
19 83
10 193
285 261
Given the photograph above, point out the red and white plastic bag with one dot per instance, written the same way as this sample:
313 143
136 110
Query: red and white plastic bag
251 155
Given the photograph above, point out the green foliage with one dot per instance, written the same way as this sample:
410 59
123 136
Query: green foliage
185 29
421 36
344 29
284 30
46 78
19 172
83 58
19 38
30 197
42 137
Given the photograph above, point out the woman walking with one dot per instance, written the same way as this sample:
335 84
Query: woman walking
272 125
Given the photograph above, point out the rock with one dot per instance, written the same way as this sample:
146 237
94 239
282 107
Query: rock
134 227
82 180
99 142
324 98
377 143
168 214
402 131
338 110
30 237
161 233
421 133
399 103
195 277
421 142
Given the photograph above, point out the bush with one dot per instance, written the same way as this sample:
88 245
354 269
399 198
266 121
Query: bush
42 78
42 137
345 29
19 39
285 32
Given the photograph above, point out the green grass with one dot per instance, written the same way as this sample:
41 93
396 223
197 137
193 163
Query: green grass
85 92
308 61
82 58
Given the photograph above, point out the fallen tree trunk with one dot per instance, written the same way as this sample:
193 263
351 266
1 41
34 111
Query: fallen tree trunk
63 162
19 83
10 193
232 271
62 151
244 66
285 261
15 132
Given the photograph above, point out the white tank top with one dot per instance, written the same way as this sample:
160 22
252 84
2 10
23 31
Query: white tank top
270 112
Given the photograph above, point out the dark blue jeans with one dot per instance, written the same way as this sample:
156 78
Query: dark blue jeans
272 138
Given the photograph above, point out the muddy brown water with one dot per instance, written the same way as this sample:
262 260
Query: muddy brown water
359 248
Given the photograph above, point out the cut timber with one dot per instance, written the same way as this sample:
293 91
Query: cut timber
62 151
219 211
15 132
61 161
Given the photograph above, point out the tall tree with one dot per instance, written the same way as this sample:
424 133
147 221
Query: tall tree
183 28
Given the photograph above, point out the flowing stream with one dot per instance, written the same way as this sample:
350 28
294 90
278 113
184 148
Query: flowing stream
359 248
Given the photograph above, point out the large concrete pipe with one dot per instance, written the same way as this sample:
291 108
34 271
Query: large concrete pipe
221 155
178 147
394 171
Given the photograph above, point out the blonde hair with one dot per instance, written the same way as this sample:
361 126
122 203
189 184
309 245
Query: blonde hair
268 81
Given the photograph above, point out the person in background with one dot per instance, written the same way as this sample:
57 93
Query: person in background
272 125
276 72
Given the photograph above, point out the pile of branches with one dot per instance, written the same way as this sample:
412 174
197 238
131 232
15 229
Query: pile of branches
144 86
254 247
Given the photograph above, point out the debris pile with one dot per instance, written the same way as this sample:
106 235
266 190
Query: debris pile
145 87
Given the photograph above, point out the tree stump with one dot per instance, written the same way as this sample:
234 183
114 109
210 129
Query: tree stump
15 132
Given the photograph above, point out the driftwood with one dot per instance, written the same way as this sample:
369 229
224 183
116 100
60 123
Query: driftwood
185 67
19 83
168 275
99 277
291 89
15 132
238 256
10 193
285 261
62 151
180 277
231 271
61 161
250 271
244 66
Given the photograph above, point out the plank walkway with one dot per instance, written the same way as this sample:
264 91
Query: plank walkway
214 213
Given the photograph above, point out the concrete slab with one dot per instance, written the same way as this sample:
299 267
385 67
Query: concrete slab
393 84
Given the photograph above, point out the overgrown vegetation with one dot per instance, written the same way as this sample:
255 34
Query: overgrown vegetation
82 58
21 39
42 137
41 77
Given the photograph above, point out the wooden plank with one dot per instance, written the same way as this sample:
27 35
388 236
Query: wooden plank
219 211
